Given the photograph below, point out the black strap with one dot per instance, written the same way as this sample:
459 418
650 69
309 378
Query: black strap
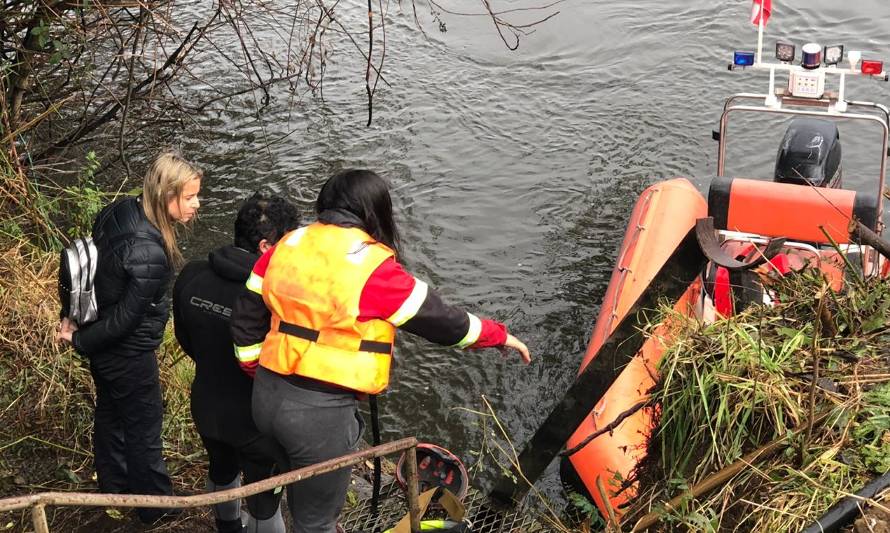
375 433
375 347
710 246
298 331
311 335
745 288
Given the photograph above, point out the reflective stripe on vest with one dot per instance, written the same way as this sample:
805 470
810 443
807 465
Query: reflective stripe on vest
312 286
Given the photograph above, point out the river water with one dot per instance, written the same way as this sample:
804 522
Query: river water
514 171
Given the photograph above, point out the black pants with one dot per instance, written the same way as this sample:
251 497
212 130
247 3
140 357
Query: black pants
127 427
311 427
259 458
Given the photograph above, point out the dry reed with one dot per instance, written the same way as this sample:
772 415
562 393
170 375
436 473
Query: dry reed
729 387
46 403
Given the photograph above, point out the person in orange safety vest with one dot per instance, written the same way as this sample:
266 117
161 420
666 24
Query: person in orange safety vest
316 326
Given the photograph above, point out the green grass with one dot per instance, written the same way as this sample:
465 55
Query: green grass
730 387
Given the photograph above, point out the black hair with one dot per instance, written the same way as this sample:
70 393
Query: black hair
264 217
366 195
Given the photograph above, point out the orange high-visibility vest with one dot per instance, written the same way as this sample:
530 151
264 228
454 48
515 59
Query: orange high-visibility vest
312 286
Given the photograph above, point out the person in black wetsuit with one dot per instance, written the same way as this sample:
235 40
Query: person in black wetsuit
203 296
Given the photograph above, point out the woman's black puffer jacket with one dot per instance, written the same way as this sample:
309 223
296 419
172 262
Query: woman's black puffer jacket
131 284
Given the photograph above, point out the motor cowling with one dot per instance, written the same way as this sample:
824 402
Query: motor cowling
810 154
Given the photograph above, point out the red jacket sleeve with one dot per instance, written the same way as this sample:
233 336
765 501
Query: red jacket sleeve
394 295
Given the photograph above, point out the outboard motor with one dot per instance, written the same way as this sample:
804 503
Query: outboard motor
810 154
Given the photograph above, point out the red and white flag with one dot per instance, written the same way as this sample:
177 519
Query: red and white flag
761 8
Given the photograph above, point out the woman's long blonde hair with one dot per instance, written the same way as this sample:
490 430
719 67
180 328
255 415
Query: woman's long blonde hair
164 181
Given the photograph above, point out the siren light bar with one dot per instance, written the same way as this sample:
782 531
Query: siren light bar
807 78
813 54
813 57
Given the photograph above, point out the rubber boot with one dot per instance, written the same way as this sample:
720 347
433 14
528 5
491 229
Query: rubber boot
229 526
228 514
273 524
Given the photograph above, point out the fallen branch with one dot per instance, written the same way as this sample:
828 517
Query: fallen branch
822 324
609 428
860 234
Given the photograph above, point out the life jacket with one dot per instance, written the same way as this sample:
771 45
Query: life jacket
312 287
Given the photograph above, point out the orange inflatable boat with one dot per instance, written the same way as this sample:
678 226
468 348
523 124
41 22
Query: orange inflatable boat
747 214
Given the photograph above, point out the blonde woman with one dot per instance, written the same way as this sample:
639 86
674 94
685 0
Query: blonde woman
136 240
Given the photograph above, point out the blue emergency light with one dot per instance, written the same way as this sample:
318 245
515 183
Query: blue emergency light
743 59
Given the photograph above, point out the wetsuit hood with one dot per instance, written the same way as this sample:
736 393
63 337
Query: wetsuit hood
232 263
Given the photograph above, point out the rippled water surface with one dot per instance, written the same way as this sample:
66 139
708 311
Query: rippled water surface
514 171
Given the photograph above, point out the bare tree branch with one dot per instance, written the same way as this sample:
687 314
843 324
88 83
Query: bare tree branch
368 67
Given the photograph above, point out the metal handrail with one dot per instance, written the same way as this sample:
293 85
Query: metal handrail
41 500
885 138
825 102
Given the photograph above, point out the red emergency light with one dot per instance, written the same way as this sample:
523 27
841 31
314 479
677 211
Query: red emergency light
872 67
